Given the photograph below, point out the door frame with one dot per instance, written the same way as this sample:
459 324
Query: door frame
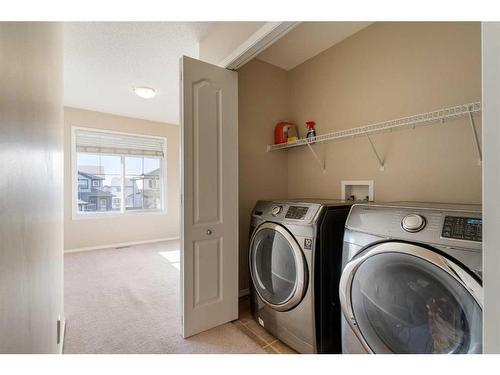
490 58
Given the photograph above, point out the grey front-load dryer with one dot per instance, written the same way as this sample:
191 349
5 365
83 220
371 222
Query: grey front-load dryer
411 281
295 259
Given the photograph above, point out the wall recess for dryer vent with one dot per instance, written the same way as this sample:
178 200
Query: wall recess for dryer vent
357 190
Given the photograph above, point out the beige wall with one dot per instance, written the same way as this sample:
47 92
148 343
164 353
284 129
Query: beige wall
263 96
92 232
31 207
224 37
386 71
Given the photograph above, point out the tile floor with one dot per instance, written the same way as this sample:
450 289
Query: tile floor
259 335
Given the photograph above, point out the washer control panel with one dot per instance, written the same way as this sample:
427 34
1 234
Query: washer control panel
463 228
296 212
453 226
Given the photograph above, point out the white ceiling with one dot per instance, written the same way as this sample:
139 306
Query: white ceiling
307 40
104 60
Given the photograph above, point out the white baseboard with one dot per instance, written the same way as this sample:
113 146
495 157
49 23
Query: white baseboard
244 292
122 244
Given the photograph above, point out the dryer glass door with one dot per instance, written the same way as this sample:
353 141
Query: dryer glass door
404 303
277 266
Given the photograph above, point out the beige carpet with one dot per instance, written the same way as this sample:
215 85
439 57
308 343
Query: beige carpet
127 301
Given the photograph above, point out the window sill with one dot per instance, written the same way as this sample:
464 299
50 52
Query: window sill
115 215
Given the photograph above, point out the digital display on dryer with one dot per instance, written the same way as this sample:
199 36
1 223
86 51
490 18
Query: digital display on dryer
463 228
296 212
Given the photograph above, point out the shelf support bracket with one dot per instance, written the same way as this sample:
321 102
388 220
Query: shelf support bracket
321 163
380 162
476 139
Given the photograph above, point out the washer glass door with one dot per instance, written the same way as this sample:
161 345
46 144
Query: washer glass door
277 266
402 303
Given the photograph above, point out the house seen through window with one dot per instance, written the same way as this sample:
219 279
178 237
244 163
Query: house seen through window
118 173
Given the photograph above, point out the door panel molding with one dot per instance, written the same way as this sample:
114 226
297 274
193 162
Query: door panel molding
207 133
210 283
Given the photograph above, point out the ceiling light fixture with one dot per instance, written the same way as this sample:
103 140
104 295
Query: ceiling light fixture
145 92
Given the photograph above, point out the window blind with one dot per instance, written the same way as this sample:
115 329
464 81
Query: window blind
117 144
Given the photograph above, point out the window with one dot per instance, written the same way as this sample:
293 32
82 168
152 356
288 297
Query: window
153 184
139 191
117 173
104 172
83 183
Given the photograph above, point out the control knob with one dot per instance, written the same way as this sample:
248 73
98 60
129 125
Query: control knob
413 223
275 211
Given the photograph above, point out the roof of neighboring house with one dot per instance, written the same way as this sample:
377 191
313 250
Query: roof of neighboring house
94 193
155 172
91 176
82 202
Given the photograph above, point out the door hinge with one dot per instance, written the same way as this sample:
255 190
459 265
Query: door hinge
59 327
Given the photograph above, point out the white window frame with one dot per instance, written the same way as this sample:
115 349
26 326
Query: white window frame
76 215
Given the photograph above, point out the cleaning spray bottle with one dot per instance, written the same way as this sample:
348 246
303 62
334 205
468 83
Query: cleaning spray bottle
311 132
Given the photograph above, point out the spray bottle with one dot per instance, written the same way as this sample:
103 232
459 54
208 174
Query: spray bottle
311 132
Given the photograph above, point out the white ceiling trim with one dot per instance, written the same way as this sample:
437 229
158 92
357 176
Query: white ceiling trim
258 42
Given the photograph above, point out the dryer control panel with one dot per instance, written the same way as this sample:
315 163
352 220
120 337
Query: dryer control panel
282 211
296 212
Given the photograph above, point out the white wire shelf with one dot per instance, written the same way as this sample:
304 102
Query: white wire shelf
440 115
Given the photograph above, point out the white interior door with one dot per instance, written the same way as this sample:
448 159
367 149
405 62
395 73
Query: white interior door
209 213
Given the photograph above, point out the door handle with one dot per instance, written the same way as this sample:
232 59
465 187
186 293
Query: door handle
209 232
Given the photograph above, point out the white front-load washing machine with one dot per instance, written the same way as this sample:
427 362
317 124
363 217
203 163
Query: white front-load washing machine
411 281
295 259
